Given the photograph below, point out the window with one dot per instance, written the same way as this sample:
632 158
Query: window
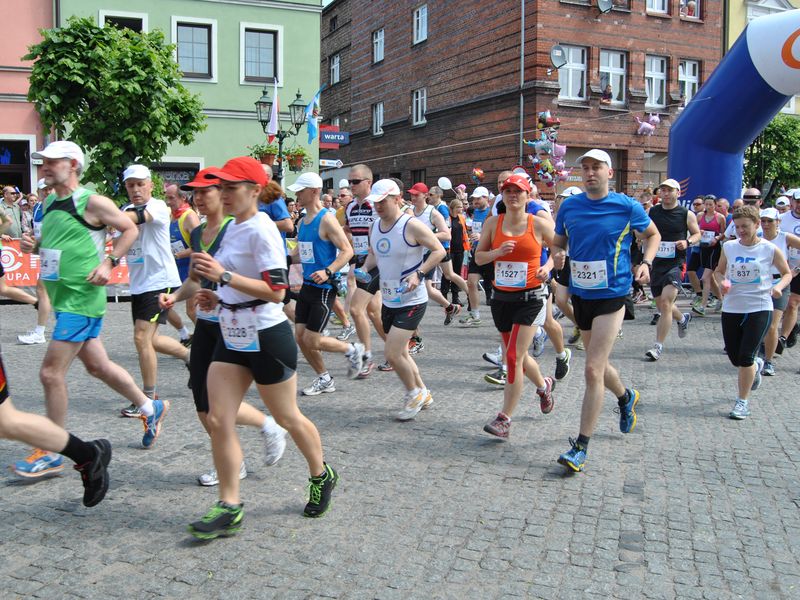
194 49
658 6
334 60
377 118
688 78
124 20
336 121
655 77
417 176
421 24
612 72
260 55
789 107
572 76
377 46
333 24
690 9
419 106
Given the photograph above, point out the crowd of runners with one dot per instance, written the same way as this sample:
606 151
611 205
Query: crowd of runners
585 259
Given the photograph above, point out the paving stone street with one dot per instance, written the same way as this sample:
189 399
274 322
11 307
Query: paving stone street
689 505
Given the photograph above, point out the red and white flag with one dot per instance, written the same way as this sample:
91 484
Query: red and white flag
274 125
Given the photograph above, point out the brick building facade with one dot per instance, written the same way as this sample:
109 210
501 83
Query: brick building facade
465 58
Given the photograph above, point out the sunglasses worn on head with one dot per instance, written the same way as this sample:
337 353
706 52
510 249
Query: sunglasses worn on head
751 197
355 181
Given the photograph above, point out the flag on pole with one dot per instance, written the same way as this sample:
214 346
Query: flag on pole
274 125
312 115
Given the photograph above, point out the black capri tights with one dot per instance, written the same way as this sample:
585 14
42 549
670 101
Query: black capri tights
743 334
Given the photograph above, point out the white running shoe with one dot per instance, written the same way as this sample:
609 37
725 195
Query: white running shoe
32 337
211 478
413 403
355 362
494 358
274 445
318 386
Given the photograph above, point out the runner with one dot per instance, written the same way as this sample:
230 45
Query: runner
560 280
674 222
397 244
323 250
72 244
790 223
513 243
207 237
597 226
152 272
183 221
257 344
460 243
477 273
744 276
712 228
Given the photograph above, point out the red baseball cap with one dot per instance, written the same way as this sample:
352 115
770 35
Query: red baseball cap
418 188
517 180
200 180
241 168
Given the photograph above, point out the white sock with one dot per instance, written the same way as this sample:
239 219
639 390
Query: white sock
40 329
147 408
325 376
476 314
562 356
270 426
368 355
183 332
659 346
351 349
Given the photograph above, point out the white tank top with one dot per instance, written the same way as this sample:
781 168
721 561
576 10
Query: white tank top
780 244
750 274
396 260
425 217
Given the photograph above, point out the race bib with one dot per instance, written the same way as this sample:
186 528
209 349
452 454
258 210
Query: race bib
511 274
666 250
211 315
49 261
390 291
37 230
589 275
135 254
239 330
706 237
745 273
177 247
477 226
306 252
361 244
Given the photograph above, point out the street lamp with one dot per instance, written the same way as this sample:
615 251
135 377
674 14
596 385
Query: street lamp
297 114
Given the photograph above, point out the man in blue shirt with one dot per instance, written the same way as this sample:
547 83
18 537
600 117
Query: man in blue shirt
598 226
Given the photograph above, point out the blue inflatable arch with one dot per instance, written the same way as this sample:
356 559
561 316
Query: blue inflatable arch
747 89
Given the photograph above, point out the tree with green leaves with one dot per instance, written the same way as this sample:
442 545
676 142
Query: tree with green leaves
771 160
115 92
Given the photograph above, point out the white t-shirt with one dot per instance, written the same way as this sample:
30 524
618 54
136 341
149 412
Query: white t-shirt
249 249
750 274
791 224
151 265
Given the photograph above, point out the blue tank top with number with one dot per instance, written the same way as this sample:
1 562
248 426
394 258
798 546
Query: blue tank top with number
316 254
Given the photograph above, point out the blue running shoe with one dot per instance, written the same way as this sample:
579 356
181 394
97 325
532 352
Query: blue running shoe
152 425
39 463
538 343
574 458
627 412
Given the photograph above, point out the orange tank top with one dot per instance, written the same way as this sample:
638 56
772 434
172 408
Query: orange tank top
516 271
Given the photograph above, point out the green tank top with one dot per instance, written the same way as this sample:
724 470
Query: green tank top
70 249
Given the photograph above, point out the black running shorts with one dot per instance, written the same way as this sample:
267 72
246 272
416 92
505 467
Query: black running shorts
662 277
586 310
274 363
144 307
314 307
405 317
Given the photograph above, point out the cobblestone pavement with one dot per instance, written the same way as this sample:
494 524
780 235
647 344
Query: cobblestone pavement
689 505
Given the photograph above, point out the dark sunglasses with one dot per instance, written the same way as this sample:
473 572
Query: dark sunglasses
751 197
355 181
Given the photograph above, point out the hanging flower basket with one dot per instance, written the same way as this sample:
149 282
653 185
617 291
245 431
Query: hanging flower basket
267 159
265 153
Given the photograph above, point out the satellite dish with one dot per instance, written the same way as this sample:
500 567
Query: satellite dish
558 56
604 6
445 183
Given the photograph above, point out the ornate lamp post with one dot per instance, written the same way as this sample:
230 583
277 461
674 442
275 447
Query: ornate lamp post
297 114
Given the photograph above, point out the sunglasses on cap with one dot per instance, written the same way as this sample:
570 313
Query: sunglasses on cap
355 181
751 197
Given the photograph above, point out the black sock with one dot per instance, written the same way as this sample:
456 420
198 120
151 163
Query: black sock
623 400
78 451
583 441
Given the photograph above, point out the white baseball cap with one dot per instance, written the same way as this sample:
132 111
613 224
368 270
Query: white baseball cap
782 201
480 192
344 183
306 180
571 191
770 213
136 172
41 184
596 154
381 189
671 183
61 149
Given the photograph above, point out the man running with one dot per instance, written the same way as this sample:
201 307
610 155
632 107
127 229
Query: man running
476 272
790 223
70 251
673 222
449 276
597 226
182 223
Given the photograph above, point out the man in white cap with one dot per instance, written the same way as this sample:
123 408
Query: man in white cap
782 204
73 237
475 272
674 222
598 226
152 271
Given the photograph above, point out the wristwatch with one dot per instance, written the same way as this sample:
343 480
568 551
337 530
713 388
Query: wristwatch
328 273
421 275
225 278
114 260
648 263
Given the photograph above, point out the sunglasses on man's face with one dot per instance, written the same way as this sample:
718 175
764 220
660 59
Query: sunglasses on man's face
355 181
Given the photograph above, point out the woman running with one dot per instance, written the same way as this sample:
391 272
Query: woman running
712 230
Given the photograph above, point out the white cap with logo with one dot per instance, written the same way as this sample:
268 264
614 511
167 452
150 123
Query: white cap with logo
670 183
782 201
41 184
770 213
381 189
306 180
480 192
136 172
596 154
61 149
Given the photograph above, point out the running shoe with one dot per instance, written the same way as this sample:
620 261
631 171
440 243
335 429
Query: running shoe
222 520
574 458
274 445
39 463
546 400
94 474
654 353
654 320
355 362
336 320
698 309
451 311
562 365
412 404
497 378
781 345
326 332
791 339
579 345
415 345
499 426
385 366
769 368
211 478
619 334
713 304
639 296
428 400
759 367
32 337
469 319
319 492
697 302
538 342
576 335
320 386
133 412
152 425
187 342
494 358
369 367
346 333
740 410
627 412
683 326
557 313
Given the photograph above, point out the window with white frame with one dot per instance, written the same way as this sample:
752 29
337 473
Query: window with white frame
688 78
572 76
613 67
334 60
690 9
377 118
419 106
658 6
655 78
260 55
124 20
195 42
421 24
789 107
377 46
